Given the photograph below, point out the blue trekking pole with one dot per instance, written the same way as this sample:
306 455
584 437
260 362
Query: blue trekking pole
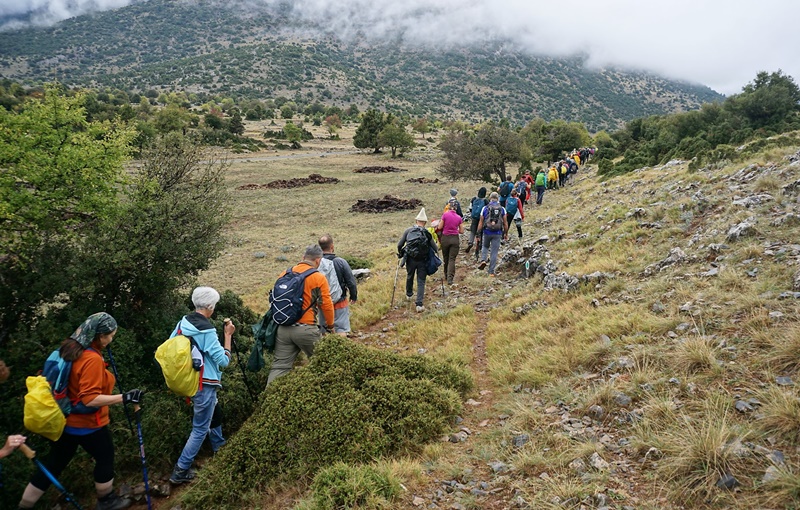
137 411
26 450
116 376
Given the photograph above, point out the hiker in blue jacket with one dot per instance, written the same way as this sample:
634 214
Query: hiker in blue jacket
197 326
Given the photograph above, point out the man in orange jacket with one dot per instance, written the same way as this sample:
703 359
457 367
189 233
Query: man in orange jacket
305 333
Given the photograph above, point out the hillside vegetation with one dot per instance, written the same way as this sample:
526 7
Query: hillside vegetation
203 47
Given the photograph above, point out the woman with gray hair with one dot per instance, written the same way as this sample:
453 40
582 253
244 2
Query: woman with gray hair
199 328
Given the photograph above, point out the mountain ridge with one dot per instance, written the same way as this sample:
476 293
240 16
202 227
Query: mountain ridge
202 48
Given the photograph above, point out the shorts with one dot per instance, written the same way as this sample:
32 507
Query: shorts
341 320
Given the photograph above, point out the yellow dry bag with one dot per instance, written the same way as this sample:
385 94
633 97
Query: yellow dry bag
41 413
175 358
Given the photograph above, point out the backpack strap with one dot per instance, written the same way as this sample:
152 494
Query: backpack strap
305 274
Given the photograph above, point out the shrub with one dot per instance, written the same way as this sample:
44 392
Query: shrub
345 486
351 404
356 262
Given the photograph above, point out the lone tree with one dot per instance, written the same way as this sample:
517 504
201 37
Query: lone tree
372 123
421 126
395 137
479 154
333 124
236 125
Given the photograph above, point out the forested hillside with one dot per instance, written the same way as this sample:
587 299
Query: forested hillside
202 48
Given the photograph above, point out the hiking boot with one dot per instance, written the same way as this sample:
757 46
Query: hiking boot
420 309
482 265
113 502
180 476
469 247
492 275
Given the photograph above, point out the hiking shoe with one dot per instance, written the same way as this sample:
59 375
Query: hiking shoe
492 275
409 297
482 265
113 502
180 476
420 309
469 247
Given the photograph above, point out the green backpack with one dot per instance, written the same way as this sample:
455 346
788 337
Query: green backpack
540 179
265 332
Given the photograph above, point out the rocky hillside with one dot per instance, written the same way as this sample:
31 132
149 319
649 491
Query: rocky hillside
200 47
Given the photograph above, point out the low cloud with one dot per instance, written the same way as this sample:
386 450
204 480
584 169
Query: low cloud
720 43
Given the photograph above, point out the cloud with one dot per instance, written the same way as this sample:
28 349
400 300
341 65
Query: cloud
720 43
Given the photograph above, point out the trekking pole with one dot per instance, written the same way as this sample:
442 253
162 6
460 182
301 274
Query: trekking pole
442 284
137 412
119 386
397 272
26 450
244 375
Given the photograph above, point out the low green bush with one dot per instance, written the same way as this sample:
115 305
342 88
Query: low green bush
350 404
346 486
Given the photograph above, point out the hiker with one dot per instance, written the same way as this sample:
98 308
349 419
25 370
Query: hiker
552 178
505 190
92 384
476 206
347 282
450 226
514 205
494 226
304 334
541 185
522 189
562 174
414 247
453 204
199 328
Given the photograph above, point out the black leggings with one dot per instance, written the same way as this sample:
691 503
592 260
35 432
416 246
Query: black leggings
98 445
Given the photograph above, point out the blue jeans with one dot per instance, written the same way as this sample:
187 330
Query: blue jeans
491 241
204 402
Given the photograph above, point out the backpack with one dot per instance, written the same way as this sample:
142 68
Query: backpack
494 217
327 268
47 404
182 364
417 244
522 188
540 179
433 262
512 205
287 297
265 333
506 188
477 206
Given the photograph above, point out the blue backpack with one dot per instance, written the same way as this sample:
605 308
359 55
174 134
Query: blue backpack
477 206
56 370
505 189
287 297
512 205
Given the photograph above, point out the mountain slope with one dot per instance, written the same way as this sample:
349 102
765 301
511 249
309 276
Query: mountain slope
202 47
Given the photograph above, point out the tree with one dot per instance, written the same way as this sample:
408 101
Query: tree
236 125
372 123
421 126
768 100
333 124
293 133
172 118
479 154
213 121
60 173
395 137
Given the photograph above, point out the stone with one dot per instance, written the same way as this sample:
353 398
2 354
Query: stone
658 307
676 256
772 474
796 282
675 381
520 440
776 315
789 295
622 400
596 412
259 255
727 481
417 501
744 229
777 458
714 271
754 200
598 462
578 465
499 467
784 381
743 407
362 274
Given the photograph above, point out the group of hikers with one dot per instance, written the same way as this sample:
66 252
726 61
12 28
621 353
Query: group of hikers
328 288
490 220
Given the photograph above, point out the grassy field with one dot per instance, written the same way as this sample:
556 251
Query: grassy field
642 370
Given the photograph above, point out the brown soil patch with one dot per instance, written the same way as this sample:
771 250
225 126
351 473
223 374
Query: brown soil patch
386 204
378 170
291 183
423 180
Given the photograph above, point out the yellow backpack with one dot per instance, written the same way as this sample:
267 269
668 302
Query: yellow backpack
42 415
175 357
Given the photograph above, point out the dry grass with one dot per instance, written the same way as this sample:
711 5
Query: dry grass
696 354
781 413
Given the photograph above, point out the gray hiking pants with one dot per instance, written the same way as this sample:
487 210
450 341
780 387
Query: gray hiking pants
289 341
418 267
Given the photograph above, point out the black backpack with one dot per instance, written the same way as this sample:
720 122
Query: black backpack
287 297
506 188
417 245
494 217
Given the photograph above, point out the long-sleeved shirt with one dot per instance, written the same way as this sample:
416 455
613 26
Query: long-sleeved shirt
344 274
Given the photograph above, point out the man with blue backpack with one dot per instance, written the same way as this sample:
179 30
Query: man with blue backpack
494 226
299 293
505 190
476 206
514 212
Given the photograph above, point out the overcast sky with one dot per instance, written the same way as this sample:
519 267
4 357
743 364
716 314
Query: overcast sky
719 43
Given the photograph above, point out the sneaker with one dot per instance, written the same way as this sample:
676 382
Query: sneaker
180 476
113 502
482 265
492 275
409 297
420 309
